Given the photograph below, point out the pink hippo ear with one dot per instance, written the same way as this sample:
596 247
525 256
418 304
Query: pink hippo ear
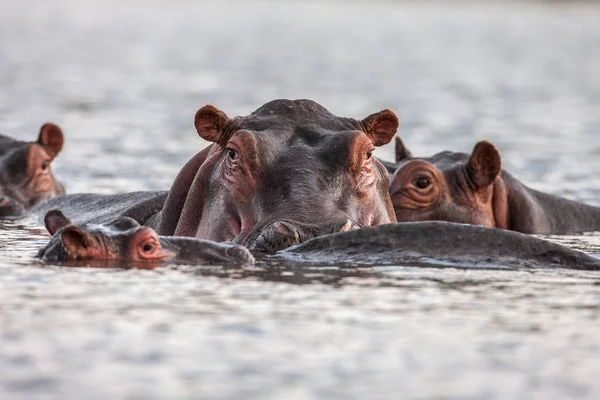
401 151
54 220
76 241
381 127
211 123
485 164
51 138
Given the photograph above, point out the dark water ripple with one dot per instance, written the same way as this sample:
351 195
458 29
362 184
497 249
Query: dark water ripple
124 79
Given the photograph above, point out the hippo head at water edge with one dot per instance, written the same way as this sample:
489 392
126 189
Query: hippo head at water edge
288 172
450 186
125 240
26 177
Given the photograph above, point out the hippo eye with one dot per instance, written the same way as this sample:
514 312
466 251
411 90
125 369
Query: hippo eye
232 154
422 183
148 247
45 165
369 155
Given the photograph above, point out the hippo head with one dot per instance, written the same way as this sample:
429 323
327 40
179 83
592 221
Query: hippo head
26 177
288 172
449 186
124 239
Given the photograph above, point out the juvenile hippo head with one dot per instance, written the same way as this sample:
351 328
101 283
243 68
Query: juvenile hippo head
26 177
289 171
124 239
449 186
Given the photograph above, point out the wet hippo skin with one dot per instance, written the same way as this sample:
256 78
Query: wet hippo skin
473 188
26 177
289 171
124 239
435 242
142 206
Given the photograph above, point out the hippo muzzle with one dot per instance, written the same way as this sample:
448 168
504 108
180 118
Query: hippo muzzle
281 234
196 250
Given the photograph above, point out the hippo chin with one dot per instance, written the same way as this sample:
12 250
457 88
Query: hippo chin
124 239
26 177
473 189
288 172
437 244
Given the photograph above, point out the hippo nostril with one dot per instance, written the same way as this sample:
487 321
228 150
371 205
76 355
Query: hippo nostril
286 229
287 232
274 236
240 254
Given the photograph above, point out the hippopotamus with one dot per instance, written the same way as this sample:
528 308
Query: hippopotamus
288 172
437 244
125 240
26 177
474 189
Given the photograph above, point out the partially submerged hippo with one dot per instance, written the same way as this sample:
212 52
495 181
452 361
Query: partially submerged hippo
473 188
432 244
289 171
126 240
26 177
438 244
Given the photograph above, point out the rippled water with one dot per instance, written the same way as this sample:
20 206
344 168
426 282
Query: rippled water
124 80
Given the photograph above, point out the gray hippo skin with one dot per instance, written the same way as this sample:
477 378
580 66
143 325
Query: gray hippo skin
142 206
435 243
125 240
473 189
26 177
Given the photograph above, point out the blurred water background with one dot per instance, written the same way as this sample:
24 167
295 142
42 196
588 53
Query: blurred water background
124 79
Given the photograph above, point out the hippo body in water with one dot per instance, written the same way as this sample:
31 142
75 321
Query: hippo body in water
437 243
26 177
142 206
125 240
288 172
433 244
473 189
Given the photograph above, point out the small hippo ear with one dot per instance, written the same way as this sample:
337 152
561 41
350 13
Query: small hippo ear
54 220
401 151
381 127
51 138
210 123
485 164
76 241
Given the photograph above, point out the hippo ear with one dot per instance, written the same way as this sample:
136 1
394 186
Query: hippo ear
54 220
485 164
401 151
51 138
381 127
75 240
211 123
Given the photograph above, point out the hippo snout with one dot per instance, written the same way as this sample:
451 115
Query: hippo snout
194 250
281 234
